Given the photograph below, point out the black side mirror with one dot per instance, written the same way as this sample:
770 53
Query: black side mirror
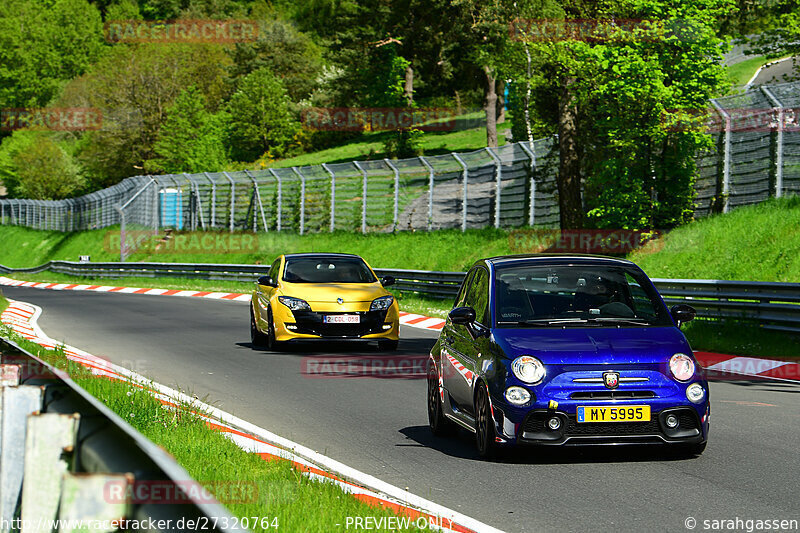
387 280
462 315
267 281
682 313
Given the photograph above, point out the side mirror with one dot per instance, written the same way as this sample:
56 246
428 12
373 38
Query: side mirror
267 281
387 280
462 315
682 313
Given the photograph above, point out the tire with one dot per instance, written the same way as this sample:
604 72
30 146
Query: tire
694 450
257 338
439 424
484 425
387 345
271 343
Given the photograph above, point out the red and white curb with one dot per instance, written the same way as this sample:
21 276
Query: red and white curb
407 319
737 365
22 318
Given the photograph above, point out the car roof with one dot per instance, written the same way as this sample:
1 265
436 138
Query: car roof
320 255
554 259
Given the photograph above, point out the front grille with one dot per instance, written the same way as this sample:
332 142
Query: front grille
612 395
312 323
601 429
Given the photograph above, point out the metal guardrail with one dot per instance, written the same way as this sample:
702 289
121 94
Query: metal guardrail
773 305
65 456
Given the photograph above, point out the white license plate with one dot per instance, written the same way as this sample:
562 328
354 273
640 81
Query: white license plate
342 319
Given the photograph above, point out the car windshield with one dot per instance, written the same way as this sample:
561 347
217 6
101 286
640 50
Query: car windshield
575 295
327 270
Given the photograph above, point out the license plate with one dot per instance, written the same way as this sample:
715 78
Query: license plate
342 319
626 413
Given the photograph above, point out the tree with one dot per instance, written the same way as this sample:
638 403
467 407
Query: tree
261 121
191 139
784 37
134 87
44 171
43 45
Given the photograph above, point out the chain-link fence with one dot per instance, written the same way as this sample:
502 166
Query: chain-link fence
756 156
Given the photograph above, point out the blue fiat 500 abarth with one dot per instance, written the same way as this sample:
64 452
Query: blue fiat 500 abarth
563 350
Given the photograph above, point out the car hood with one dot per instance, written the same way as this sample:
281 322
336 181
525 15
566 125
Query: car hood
597 345
329 292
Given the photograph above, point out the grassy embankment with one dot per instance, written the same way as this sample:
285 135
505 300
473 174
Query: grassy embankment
250 486
758 243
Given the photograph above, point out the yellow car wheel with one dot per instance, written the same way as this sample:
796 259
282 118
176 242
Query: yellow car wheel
256 337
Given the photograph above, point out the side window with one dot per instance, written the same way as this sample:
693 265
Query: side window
478 295
642 304
273 270
462 293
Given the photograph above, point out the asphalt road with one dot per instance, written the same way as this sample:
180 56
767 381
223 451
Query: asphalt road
775 73
750 469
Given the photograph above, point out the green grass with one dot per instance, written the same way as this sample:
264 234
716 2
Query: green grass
370 145
270 488
3 302
754 243
740 73
438 250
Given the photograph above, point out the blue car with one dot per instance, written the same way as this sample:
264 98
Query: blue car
566 350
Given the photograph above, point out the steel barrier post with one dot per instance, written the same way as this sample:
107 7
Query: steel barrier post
333 195
363 196
532 200
779 148
726 164
396 172
498 173
430 192
464 195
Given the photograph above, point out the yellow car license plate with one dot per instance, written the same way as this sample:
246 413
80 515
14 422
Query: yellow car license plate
342 319
622 413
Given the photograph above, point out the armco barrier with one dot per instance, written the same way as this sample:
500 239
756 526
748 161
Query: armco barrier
773 305
62 449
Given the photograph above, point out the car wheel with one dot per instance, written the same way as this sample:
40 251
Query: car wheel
256 337
272 343
694 450
484 425
387 345
439 424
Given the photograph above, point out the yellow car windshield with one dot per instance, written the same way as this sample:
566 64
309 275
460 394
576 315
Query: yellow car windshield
327 270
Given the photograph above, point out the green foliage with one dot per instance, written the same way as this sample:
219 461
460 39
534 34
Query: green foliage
404 143
43 45
261 121
191 139
45 171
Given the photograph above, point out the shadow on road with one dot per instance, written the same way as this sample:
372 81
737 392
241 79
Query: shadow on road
462 446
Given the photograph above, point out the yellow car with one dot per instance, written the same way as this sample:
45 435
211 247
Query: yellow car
323 296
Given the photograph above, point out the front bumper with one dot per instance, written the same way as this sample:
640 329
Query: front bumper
310 325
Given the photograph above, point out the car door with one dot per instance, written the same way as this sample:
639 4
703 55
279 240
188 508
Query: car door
265 293
465 343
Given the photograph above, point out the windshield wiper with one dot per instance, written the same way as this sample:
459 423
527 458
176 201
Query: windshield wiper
634 321
545 321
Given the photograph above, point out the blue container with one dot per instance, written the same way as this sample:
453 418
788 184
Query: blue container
171 208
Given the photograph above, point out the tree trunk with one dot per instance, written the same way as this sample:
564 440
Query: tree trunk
569 172
501 101
490 108
408 88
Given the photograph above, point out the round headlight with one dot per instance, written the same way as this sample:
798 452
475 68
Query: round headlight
528 369
681 366
695 393
517 395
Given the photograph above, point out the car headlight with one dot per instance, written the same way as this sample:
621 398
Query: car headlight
295 304
681 366
517 395
528 369
695 393
379 304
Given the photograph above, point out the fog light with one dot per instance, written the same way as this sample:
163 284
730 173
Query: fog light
517 395
695 393
672 421
554 423
387 326
291 327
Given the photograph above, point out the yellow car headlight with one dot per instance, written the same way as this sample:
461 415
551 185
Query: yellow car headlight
382 303
295 304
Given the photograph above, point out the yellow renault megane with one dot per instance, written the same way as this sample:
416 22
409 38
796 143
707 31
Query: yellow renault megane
323 296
